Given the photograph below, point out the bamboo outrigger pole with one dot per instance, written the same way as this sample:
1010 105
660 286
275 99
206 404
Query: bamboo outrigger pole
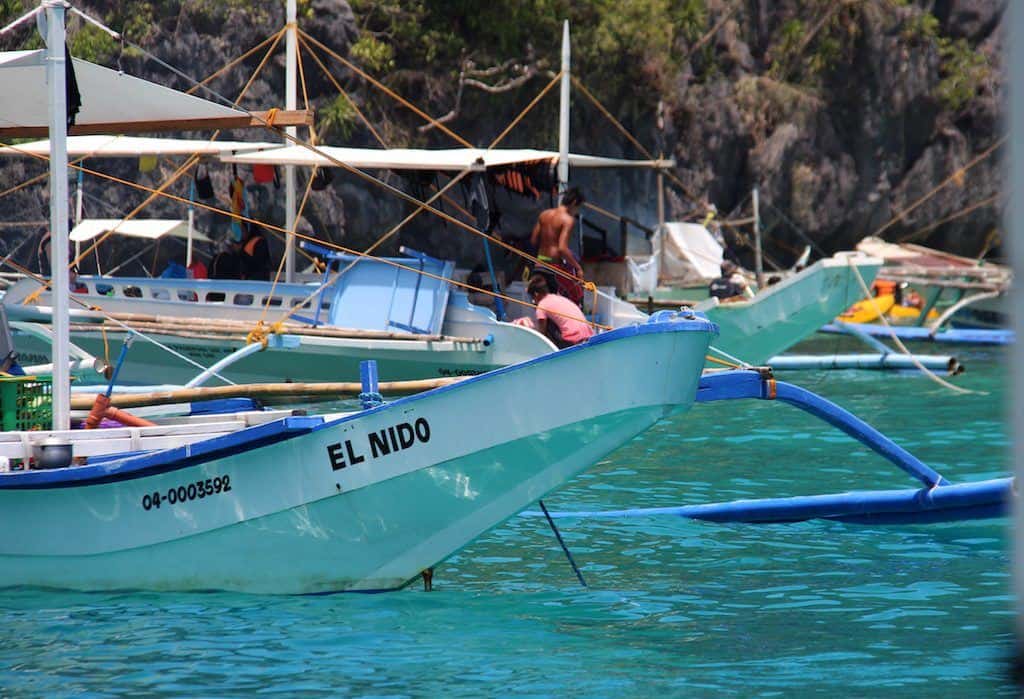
58 132
563 114
291 49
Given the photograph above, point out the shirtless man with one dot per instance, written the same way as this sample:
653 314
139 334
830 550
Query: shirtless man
551 238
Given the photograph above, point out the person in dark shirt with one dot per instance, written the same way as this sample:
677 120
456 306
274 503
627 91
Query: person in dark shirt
227 263
731 286
255 255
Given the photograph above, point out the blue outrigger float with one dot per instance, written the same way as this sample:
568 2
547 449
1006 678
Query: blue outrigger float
937 500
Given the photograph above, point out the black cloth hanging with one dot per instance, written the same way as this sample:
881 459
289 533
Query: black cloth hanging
72 96
203 183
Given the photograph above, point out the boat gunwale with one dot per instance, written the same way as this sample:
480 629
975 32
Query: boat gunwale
144 464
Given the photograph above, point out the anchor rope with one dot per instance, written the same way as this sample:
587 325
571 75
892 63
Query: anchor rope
914 360
957 176
952 217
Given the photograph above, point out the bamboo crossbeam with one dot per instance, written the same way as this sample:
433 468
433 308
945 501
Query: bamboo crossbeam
179 326
948 283
295 117
261 391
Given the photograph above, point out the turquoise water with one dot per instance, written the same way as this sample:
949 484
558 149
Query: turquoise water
674 607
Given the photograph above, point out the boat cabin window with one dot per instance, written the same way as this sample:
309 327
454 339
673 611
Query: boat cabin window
302 302
132 292
243 299
161 294
187 295
273 301
215 297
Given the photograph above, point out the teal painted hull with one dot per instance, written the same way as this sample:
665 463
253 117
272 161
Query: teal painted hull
782 315
339 506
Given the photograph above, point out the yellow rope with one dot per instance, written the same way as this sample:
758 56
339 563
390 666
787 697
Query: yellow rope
37 178
279 230
716 360
957 176
385 89
280 265
235 62
302 71
529 107
376 244
895 338
175 176
615 122
343 93
963 212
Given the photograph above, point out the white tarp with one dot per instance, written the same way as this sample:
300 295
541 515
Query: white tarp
108 96
876 247
643 274
449 159
150 228
135 146
689 254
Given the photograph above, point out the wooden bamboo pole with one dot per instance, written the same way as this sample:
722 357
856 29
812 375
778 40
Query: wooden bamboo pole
261 391
179 325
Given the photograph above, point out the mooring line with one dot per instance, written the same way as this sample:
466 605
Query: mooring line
565 549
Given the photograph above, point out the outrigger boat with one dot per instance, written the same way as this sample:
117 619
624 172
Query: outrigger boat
298 504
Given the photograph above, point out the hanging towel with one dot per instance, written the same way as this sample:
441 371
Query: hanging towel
261 173
204 185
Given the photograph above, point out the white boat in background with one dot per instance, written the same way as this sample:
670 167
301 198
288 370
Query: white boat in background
297 504
415 325
966 292
783 314
776 318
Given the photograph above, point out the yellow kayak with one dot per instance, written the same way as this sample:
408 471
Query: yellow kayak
868 310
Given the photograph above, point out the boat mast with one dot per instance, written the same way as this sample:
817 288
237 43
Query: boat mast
563 115
758 262
291 49
55 78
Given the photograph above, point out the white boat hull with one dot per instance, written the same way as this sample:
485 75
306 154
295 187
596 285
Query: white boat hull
327 509
314 359
782 315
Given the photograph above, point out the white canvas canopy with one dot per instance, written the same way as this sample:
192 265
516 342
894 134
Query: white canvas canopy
450 159
102 146
149 228
112 101
689 254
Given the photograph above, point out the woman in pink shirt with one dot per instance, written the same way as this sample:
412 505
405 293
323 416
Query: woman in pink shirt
558 317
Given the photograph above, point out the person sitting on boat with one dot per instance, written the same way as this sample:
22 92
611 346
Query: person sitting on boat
255 255
731 286
551 237
558 318
227 262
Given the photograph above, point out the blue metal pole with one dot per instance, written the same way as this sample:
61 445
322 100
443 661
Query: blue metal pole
370 396
499 305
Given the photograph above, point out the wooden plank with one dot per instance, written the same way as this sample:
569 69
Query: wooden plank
281 118
269 390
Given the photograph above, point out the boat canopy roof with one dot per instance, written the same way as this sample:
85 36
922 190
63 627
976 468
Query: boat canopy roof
150 228
135 146
112 101
449 159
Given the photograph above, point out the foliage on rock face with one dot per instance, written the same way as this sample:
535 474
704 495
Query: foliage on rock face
840 110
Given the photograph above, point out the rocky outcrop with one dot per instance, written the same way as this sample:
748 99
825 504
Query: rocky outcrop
842 114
